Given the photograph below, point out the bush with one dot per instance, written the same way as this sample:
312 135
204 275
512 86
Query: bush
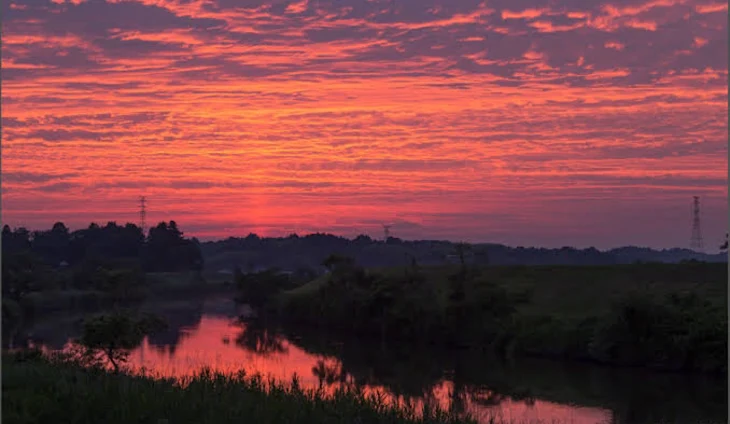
471 311
257 289
110 337
679 332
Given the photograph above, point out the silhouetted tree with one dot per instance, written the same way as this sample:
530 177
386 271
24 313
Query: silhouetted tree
52 246
15 240
167 250
109 242
111 337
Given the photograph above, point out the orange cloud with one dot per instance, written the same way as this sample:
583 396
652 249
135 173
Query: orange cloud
614 45
527 14
649 26
711 8
298 7
289 115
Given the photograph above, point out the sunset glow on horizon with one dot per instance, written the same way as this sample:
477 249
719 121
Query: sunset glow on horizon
524 122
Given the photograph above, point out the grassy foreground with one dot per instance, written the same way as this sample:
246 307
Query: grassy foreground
37 389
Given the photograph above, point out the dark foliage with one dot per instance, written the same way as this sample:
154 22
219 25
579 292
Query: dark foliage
17 240
22 272
404 306
257 289
109 242
88 268
110 337
467 308
164 250
168 250
681 332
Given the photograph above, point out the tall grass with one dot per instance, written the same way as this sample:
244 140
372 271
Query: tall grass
39 389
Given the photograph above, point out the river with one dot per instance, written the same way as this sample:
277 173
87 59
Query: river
206 333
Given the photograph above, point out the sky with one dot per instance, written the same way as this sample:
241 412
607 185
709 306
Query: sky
525 122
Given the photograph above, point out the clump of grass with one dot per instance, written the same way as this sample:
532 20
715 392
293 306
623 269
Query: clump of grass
41 389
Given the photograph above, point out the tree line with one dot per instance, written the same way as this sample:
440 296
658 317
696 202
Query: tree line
85 267
163 249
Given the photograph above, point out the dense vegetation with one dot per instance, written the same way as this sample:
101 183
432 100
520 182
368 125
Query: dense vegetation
257 288
667 316
89 268
37 389
163 249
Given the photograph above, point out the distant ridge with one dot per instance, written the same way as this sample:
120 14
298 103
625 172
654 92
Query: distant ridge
308 251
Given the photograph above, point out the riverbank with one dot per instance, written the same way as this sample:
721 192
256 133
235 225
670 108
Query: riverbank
205 333
642 396
157 286
37 389
660 316
72 305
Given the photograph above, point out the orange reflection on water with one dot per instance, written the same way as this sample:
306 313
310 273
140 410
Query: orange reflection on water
212 344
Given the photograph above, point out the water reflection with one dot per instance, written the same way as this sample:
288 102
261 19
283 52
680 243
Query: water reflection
182 319
329 372
205 333
258 338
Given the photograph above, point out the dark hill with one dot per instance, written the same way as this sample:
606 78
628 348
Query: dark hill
292 253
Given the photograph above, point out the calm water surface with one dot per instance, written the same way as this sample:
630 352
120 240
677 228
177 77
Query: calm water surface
205 333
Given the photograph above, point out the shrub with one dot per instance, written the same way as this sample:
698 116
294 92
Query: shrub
679 332
113 336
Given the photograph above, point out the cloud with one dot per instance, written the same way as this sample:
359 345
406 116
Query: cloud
73 135
57 187
374 108
34 177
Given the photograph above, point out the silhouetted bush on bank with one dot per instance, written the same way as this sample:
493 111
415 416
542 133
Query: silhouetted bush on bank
682 332
677 333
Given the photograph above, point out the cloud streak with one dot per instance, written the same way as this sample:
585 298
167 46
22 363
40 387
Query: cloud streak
316 113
